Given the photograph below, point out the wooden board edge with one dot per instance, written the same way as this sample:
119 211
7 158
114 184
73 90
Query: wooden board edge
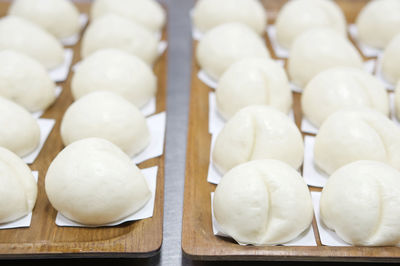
92 255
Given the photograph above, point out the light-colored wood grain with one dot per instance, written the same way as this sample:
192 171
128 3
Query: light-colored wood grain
45 239
198 240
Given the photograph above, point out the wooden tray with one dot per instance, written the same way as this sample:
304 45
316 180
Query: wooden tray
198 240
44 239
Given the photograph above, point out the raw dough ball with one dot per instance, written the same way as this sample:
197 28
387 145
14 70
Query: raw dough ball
93 182
378 22
361 202
25 81
59 17
263 202
18 187
28 38
225 44
317 50
359 134
112 31
342 87
253 81
258 132
391 61
104 114
298 16
19 132
210 13
397 100
117 71
148 13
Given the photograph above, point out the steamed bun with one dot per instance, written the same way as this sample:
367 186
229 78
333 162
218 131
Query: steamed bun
298 16
18 187
148 13
225 44
59 17
361 202
317 50
378 22
258 132
112 31
342 87
253 81
20 133
104 114
263 202
93 182
25 81
360 134
117 71
28 38
391 61
210 13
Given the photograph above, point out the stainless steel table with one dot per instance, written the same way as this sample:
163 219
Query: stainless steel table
179 68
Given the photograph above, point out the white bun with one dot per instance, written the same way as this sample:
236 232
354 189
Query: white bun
319 49
28 38
25 81
149 14
116 71
361 202
378 22
342 87
18 187
104 114
112 31
210 13
253 81
263 202
391 61
93 182
258 132
20 132
351 135
58 17
225 44
298 16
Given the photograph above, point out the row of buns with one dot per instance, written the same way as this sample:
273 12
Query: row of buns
266 202
377 23
116 24
61 18
348 134
93 180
